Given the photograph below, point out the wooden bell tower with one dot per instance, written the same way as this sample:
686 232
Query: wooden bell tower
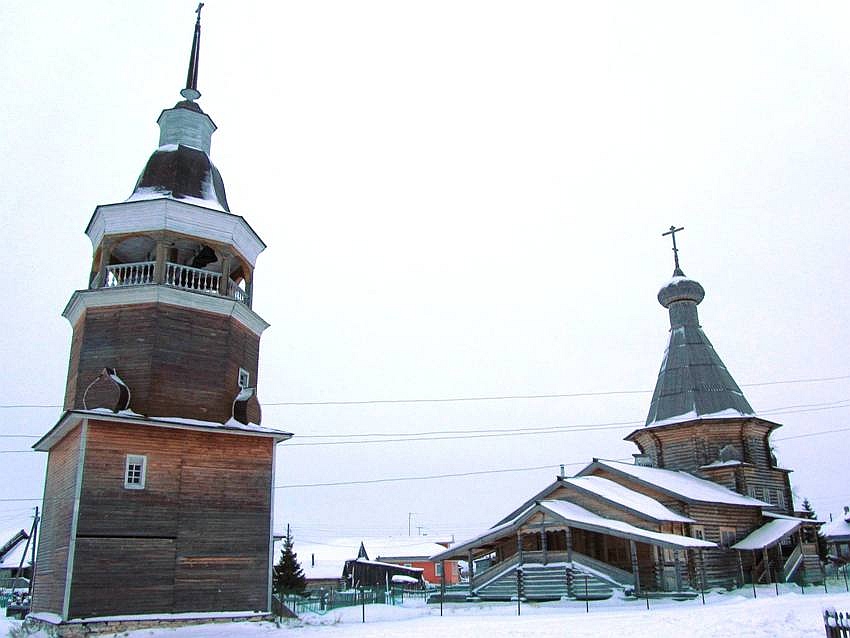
158 496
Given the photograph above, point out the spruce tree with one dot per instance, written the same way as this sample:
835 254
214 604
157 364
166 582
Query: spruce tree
288 575
819 539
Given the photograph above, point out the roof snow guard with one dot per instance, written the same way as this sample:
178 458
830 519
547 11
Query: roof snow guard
693 382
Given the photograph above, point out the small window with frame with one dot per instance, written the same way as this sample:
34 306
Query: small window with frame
244 379
698 531
728 536
135 468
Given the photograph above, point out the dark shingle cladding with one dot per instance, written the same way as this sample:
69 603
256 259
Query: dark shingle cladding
693 382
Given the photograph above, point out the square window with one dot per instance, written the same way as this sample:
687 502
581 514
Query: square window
698 531
135 466
244 379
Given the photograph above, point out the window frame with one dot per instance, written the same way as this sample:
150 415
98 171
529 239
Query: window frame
725 533
131 461
243 379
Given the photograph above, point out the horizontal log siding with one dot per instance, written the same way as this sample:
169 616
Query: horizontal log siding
690 445
55 531
122 576
205 513
176 361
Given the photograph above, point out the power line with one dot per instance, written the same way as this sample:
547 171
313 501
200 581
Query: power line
427 477
483 398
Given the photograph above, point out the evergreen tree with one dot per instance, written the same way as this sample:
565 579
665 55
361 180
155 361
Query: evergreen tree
819 539
288 575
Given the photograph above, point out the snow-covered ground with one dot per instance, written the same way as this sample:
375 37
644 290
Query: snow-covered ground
738 615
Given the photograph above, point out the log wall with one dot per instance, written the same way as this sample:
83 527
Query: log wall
54 535
177 362
196 538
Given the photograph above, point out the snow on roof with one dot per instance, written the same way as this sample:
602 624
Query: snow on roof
769 534
578 515
327 559
12 558
716 464
692 415
625 497
839 529
456 549
680 484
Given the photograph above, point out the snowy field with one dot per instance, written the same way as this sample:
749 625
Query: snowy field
734 615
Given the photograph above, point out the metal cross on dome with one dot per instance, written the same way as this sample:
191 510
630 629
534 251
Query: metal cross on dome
672 232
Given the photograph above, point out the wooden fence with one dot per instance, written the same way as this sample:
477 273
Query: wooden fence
836 624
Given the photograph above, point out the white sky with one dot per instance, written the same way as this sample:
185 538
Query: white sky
460 199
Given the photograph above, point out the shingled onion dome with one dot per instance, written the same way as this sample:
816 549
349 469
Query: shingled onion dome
181 167
693 382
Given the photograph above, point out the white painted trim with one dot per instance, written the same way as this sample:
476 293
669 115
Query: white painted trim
72 540
148 215
134 459
69 420
82 300
271 528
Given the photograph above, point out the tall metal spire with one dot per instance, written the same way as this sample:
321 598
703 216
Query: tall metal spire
191 91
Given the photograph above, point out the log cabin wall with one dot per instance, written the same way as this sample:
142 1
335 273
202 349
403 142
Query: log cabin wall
54 537
177 362
195 538
687 446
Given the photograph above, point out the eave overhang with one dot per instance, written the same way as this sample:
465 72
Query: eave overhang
82 300
167 214
72 418
706 421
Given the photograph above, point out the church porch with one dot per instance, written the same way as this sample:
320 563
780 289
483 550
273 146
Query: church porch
576 547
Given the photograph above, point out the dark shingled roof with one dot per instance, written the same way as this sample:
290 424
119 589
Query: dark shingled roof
182 172
693 382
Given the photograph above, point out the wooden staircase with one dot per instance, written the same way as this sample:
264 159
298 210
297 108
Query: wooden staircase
552 581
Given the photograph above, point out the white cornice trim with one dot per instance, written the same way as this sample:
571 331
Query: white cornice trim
167 214
82 300
70 419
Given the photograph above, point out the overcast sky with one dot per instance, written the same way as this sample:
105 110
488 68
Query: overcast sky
461 199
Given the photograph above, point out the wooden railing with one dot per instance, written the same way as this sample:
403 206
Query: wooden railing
136 274
233 290
189 278
176 275
792 563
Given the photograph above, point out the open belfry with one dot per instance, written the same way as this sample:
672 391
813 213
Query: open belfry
159 490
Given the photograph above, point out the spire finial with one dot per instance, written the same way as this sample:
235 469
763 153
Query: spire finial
191 91
672 232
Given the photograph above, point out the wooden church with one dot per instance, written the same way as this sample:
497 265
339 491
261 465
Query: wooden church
704 504
159 488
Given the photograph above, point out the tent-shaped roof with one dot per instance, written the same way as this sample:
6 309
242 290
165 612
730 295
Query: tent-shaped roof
693 382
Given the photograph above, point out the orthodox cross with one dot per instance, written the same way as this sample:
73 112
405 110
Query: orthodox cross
198 10
672 232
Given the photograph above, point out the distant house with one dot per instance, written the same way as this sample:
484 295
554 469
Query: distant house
344 562
15 565
837 536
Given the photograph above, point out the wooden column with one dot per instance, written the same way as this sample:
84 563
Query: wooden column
569 539
105 253
470 570
160 261
766 560
740 566
224 282
678 564
519 547
635 572
543 541
249 287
